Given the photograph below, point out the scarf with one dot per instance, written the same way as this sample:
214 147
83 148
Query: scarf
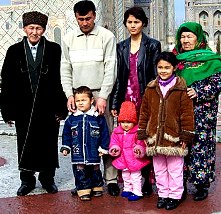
166 82
197 30
197 64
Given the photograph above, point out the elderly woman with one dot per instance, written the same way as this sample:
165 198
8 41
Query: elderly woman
201 68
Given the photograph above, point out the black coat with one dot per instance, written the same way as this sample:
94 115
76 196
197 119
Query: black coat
146 69
34 112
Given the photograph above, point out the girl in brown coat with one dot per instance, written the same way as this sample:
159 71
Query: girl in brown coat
166 123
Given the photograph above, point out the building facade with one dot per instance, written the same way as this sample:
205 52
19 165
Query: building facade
61 19
208 14
161 19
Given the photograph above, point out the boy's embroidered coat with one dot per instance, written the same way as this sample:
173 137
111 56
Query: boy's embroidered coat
85 135
166 121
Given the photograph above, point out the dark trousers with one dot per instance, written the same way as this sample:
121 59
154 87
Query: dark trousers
87 176
147 173
45 177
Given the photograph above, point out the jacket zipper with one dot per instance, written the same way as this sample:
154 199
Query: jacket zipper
158 126
84 138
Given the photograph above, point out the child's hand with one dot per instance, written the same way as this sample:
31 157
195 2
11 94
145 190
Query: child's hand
114 152
101 154
137 152
183 145
65 152
102 151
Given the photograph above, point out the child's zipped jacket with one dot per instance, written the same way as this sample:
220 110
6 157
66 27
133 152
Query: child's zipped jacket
85 135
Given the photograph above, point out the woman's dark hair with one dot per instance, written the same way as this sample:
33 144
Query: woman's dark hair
84 7
138 13
83 90
167 56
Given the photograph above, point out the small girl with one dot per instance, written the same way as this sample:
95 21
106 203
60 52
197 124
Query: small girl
129 151
166 122
86 136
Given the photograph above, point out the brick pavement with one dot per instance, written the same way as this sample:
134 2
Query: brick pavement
64 203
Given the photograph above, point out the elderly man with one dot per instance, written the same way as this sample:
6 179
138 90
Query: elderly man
33 98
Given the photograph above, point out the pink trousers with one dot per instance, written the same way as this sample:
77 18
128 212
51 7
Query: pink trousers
169 176
132 181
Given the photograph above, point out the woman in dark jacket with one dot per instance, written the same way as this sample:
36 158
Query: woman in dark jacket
136 58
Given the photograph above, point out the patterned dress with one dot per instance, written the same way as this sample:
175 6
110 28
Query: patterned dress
133 90
203 150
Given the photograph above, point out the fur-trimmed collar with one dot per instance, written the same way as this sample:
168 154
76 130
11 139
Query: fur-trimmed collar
90 112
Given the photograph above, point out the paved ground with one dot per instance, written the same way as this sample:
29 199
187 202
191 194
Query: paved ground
63 203
9 174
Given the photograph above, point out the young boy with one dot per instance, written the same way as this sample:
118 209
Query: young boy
86 136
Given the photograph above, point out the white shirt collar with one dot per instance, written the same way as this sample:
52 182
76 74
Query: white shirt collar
30 45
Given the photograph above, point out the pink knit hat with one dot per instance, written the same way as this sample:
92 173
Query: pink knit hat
128 112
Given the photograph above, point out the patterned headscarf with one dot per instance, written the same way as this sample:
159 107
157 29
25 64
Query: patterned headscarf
199 63
34 17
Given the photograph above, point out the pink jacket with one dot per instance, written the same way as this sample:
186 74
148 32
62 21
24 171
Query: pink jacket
126 143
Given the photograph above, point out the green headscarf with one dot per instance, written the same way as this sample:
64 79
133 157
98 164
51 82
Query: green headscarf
199 63
194 28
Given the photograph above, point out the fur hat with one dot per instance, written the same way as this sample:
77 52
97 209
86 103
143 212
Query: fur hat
128 112
34 17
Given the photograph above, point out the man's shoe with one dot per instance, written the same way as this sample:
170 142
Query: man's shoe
113 189
172 203
126 194
24 189
161 203
147 188
50 188
200 195
74 192
134 197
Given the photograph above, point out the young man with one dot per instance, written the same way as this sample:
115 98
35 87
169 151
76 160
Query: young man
33 98
89 58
